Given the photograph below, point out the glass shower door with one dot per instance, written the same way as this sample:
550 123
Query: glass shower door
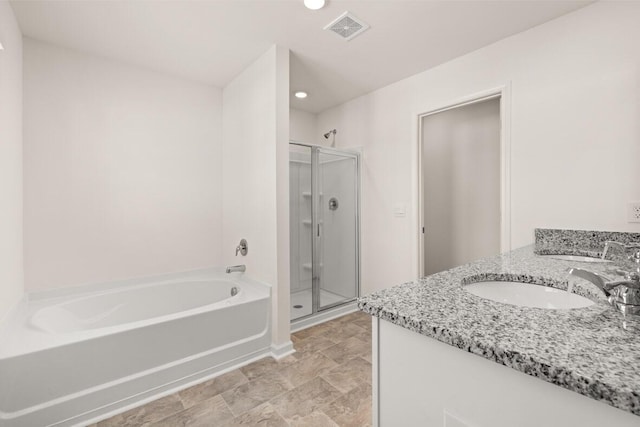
335 225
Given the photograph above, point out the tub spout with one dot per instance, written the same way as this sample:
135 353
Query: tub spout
241 268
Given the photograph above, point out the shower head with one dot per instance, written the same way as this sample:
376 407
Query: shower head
331 132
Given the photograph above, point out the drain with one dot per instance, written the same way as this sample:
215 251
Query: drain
297 306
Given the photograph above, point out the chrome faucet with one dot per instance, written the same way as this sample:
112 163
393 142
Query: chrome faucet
630 258
623 294
241 268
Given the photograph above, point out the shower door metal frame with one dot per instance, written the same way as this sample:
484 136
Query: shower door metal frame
316 228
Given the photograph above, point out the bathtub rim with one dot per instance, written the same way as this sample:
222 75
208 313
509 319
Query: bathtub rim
244 294
104 285
21 317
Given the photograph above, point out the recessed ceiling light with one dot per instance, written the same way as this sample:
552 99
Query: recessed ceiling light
314 4
300 94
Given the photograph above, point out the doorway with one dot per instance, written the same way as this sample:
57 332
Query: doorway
461 184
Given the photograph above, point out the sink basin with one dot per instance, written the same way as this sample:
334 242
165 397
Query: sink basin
576 258
527 295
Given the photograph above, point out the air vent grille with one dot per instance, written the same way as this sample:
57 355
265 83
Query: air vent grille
347 26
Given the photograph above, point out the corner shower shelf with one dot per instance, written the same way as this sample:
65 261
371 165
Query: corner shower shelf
309 266
308 194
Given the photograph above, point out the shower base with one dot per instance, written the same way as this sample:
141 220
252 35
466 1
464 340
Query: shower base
304 298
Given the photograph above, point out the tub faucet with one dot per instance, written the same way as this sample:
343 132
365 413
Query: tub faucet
623 294
241 268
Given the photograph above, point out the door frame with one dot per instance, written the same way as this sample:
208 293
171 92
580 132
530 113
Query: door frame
356 156
318 308
504 94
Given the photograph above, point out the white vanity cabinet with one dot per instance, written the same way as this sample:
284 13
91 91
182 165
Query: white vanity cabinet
419 381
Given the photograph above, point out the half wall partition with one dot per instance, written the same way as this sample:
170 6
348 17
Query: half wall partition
324 228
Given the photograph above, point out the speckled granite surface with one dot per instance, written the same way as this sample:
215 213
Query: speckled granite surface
578 242
593 351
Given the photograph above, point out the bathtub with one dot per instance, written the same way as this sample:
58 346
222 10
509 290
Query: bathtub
74 357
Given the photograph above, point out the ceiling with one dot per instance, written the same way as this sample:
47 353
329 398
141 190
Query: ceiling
212 41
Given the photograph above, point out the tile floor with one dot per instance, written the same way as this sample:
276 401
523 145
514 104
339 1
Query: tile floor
327 382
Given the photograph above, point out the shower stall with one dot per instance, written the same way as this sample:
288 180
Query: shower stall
324 229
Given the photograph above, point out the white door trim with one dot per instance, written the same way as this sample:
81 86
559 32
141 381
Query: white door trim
504 93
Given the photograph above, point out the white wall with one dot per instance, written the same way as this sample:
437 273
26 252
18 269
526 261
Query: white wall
11 243
461 185
123 170
574 130
303 126
256 175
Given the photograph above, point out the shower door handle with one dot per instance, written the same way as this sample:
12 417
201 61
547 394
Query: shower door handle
318 234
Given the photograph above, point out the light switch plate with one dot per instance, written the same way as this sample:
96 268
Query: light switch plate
633 212
399 211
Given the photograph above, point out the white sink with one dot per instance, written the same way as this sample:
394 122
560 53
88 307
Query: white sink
576 258
527 295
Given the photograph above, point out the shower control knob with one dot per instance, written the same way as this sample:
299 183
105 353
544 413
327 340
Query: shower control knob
242 248
333 204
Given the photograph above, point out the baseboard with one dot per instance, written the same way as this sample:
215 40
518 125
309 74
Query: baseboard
283 350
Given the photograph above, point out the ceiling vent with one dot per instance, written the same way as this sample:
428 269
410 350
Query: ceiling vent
347 26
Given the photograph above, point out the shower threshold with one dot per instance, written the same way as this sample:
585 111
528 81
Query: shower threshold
301 317
301 302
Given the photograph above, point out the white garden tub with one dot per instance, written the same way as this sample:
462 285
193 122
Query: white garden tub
67 359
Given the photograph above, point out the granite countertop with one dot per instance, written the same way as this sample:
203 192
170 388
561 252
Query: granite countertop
594 351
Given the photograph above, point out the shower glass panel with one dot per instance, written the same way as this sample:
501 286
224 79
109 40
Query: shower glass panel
300 235
324 228
336 230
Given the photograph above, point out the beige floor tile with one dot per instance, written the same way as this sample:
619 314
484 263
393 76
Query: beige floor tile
352 409
307 368
249 395
344 331
307 346
304 399
149 413
349 375
314 419
261 367
207 413
116 420
320 329
266 365
329 370
364 322
351 317
212 387
347 349
264 416
111 422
